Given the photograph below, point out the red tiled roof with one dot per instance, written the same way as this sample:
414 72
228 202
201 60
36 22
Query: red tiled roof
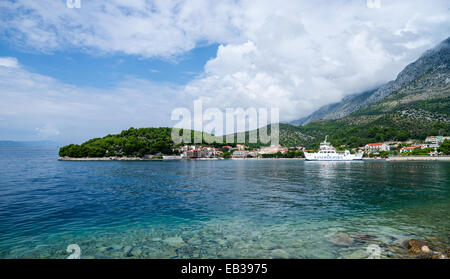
413 147
375 144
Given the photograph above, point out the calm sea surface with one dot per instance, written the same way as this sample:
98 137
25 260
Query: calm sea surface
217 209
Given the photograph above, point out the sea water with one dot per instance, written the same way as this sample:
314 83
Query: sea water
217 209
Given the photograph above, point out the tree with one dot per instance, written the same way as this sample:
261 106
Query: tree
445 147
383 154
402 135
226 155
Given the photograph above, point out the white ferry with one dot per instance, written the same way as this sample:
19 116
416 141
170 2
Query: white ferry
328 153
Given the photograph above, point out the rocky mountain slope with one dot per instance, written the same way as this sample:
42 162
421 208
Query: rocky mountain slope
432 67
415 105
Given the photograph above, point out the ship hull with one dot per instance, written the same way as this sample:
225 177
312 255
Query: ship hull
334 157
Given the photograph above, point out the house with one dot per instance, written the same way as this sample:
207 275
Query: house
240 154
240 147
188 154
192 154
433 139
436 139
376 147
411 148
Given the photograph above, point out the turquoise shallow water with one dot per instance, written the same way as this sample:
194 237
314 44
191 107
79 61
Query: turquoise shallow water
216 209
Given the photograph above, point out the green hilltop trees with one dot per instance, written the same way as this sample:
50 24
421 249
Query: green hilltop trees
134 143
131 142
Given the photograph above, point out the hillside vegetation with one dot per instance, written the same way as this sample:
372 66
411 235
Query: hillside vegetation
131 142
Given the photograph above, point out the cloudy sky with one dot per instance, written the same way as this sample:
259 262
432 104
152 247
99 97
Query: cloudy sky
69 74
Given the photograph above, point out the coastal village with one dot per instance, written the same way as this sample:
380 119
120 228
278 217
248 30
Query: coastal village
428 147
240 151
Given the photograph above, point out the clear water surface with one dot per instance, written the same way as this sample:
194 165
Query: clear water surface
217 209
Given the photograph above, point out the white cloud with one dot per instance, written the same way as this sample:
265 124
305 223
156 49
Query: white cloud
295 55
158 28
36 106
300 55
47 131
10 62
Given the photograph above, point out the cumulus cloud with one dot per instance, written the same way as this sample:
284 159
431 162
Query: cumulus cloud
36 106
145 28
9 62
301 55
294 55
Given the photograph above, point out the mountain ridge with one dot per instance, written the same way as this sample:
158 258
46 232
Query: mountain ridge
354 102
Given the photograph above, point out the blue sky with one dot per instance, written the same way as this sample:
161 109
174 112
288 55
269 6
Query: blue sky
93 69
72 74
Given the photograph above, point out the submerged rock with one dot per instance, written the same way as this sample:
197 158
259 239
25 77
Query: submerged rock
414 246
425 249
136 252
280 254
127 251
438 256
341 239
363 237
115 247
175 241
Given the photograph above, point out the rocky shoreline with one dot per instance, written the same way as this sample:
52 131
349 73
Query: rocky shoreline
162 159
418 249
409 249
106 159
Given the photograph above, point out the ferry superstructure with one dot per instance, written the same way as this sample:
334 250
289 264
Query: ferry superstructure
328 153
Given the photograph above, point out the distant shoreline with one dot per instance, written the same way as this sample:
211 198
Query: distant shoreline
106 159
418 158
145 159
394 158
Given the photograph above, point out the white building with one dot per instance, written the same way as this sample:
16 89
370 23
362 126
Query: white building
436 139
273 149
376 147
240 154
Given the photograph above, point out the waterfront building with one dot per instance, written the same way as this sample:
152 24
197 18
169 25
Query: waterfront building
376 147
273 149
436 139
411 148
240 154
